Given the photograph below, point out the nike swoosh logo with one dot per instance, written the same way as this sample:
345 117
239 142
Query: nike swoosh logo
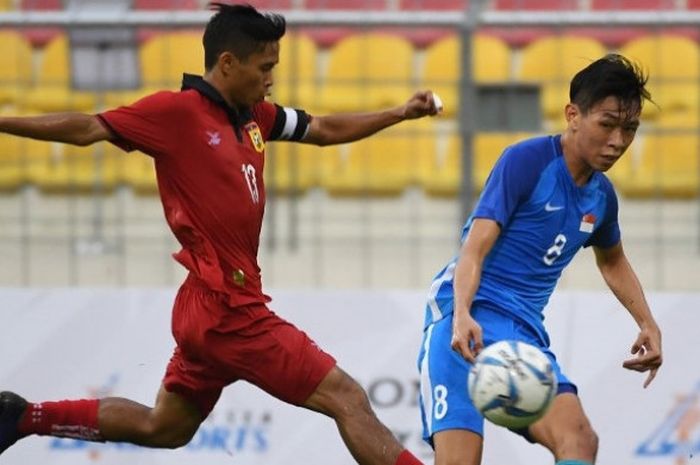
551 208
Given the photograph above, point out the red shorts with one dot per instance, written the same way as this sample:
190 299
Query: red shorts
218 345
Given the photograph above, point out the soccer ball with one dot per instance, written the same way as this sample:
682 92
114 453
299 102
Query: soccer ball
512 383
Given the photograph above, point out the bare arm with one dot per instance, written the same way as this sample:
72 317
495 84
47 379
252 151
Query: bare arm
622 280
483 234
348 127
69 128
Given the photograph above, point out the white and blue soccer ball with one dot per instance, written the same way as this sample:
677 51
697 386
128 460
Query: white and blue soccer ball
512 383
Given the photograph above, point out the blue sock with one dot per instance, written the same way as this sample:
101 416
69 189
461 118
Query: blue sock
573 462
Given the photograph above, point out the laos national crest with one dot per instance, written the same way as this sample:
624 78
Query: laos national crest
255 136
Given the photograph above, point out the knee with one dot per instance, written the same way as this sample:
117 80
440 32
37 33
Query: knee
341 396
350 397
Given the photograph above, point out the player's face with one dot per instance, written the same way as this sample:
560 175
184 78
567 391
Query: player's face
251 79
603 134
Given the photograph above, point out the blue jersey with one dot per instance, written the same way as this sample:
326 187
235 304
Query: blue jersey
545 218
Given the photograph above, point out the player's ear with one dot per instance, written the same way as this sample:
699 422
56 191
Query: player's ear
571 113
227 61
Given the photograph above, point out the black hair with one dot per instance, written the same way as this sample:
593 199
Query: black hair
239 29
613 75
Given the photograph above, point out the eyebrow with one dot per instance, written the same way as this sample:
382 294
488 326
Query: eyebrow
616 115
620 119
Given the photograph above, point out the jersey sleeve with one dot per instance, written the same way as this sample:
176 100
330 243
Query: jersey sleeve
281 123
608 233
148 125
510 183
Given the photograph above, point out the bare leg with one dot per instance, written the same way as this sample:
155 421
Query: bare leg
565 430
457 447
170 424
343 399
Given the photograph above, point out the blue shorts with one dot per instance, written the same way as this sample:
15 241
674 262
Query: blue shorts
444 397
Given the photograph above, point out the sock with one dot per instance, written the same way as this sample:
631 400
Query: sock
406 458
75 419
573 462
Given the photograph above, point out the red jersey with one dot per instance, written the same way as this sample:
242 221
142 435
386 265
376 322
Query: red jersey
209 161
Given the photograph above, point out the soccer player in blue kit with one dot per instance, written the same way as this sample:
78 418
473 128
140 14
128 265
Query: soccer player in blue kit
545 198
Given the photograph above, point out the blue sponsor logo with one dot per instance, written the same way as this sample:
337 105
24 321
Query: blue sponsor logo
678 435
249 438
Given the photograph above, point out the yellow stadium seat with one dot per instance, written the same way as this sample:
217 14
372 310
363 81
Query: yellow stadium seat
684 119
442 66
118 98
12 163
165 57
488 148
673 64
52 91
445 177
368 71
296 77
18 155
552 62
15 66
139 172
664 56
441 168
555 58
6 5
669 166
33 153
384 164
292 167
73 169
162 59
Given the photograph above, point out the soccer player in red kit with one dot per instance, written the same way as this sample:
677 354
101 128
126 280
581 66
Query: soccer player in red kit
208 144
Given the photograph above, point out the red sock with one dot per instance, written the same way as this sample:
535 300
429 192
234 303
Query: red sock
406 458
67 419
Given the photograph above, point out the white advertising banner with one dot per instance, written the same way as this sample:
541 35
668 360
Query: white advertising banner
76 343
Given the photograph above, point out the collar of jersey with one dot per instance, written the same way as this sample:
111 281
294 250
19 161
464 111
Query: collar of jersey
236 117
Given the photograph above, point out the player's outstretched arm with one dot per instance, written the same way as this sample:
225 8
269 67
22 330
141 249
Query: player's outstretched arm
69 128
466 333
341 128
622 280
